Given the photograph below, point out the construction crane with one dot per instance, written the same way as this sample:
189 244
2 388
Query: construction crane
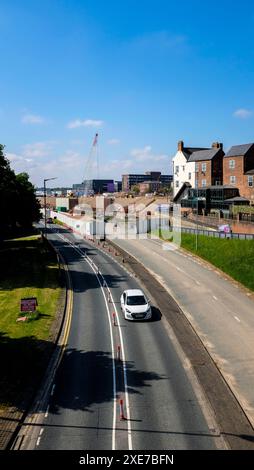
92 163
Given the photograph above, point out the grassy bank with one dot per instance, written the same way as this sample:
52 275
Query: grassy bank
28 269
234 257
58 222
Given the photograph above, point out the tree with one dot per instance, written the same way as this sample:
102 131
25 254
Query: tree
135 189
8 194
18 203
28 207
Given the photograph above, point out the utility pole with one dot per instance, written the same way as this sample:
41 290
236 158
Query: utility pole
45 201
197 224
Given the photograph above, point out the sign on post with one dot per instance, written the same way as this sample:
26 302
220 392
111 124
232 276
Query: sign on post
28 304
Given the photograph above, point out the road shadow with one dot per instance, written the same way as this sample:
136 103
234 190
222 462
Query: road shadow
84 381
23 363
156 314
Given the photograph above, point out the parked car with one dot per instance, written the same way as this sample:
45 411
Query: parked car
224 228
135 305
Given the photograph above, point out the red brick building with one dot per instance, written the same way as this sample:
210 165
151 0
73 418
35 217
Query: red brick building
238 169
208 166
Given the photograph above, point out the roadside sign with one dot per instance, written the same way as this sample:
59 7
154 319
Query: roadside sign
28 304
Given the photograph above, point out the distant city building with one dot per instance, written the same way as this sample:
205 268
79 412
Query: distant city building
118 186
130 180
95 186
54 191
149 186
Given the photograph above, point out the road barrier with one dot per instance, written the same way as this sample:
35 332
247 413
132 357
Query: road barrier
118 353
122 417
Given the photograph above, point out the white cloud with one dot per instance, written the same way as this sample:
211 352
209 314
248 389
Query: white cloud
86 123
21 164
37 149
146 154
113 141
32 119
242 113
13 157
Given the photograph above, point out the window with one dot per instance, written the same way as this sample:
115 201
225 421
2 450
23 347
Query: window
203 183
232 179
250 181
204 167
183 168
196 166
231 163
136 300
177 184
189 176
177 169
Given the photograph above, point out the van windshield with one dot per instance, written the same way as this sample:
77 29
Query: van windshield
136 300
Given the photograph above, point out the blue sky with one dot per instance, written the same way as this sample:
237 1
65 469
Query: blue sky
142 73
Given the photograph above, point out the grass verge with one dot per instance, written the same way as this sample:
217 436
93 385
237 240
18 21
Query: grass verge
28 269
234 257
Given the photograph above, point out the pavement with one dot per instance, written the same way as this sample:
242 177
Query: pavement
219 309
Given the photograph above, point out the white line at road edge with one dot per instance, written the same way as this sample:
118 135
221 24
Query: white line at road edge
125 376
91 264
96 270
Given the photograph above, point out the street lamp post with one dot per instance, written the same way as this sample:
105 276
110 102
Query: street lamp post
45 213
197 224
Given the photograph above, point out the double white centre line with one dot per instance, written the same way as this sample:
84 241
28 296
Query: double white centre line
103 285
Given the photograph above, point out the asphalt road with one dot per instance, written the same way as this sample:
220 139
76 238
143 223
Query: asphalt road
220 311
160 405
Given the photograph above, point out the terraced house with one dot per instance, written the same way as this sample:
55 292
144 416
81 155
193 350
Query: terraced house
238 169
199 167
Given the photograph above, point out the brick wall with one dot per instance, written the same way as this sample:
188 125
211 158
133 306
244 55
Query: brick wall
204 175
241 179
213 173
50 201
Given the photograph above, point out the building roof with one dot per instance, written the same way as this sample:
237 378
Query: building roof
185 186
188 151
207 154
222 186
237 199
239 150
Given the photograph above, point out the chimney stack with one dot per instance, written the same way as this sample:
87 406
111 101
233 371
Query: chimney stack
180 145
217 145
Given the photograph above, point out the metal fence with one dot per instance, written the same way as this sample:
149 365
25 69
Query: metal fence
216 234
